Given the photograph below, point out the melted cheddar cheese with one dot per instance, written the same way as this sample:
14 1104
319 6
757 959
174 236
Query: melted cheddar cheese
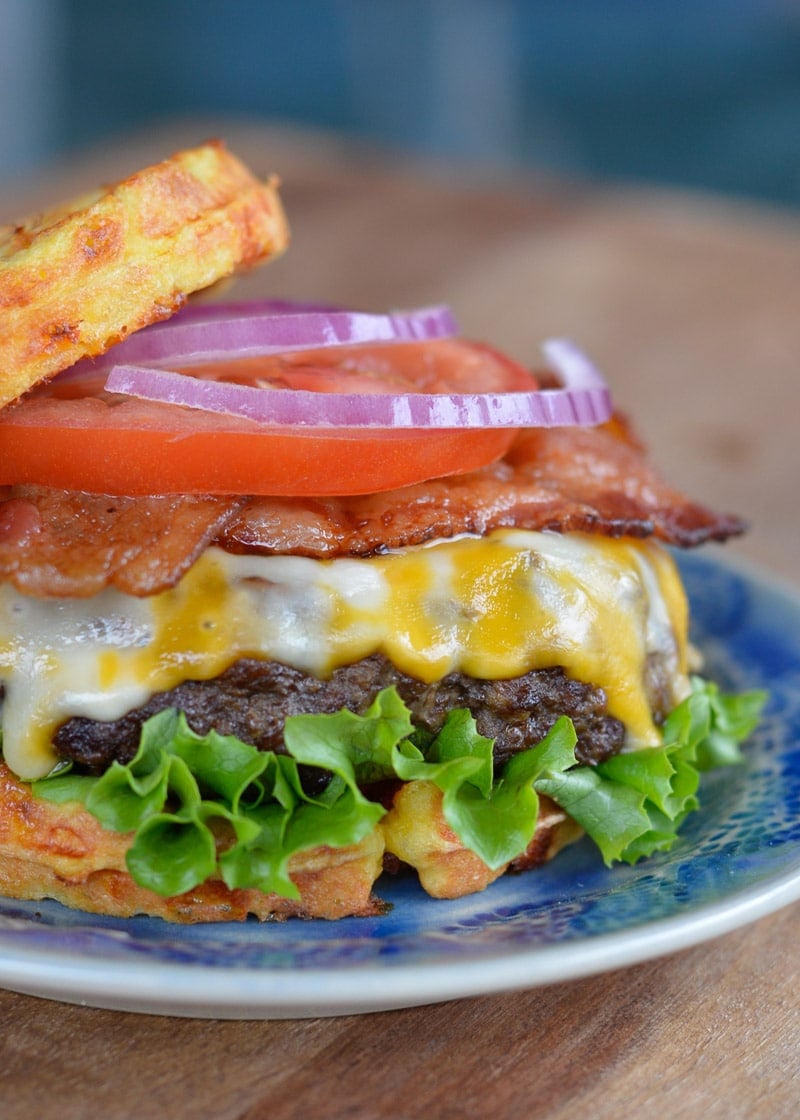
492 607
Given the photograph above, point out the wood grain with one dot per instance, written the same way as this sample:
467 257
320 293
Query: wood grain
711 1032
691 306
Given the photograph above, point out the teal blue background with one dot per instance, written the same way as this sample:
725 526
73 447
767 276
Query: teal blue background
698 93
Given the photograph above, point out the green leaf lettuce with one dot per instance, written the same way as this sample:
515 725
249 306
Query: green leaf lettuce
182 791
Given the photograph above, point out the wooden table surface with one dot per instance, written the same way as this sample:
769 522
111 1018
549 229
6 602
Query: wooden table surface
690 304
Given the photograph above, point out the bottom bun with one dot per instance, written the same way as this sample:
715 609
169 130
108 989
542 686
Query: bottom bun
61 852
416 833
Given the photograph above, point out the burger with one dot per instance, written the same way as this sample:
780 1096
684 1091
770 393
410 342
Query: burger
293 597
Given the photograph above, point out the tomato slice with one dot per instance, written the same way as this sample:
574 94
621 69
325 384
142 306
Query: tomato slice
73 435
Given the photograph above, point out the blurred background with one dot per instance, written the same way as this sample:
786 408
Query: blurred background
702 94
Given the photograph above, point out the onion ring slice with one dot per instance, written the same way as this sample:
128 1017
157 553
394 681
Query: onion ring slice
217 331
584 400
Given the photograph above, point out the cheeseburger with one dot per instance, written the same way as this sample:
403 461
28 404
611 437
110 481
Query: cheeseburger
292 597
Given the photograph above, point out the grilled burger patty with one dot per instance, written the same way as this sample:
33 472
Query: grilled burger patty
253 697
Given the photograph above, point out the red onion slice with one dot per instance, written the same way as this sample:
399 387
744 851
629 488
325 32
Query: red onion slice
239 330
584 400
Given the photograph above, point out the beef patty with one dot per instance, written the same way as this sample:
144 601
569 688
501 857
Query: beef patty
252 698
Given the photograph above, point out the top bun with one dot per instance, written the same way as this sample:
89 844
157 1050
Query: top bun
81 277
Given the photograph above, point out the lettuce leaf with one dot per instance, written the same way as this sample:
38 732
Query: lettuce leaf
181 790
633 804
495 818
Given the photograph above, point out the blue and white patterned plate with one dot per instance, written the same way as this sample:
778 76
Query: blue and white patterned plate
737 859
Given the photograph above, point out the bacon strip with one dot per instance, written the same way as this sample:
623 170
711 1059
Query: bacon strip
594 480
62 543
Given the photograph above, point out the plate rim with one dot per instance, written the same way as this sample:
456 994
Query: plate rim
290 993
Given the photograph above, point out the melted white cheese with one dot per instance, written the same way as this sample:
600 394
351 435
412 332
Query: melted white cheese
494 607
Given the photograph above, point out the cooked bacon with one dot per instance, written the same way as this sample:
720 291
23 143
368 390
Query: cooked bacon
597 480
594 480
58 543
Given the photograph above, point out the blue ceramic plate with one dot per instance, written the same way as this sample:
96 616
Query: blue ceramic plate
736 860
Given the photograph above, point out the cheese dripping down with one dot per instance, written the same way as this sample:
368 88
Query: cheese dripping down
495 607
